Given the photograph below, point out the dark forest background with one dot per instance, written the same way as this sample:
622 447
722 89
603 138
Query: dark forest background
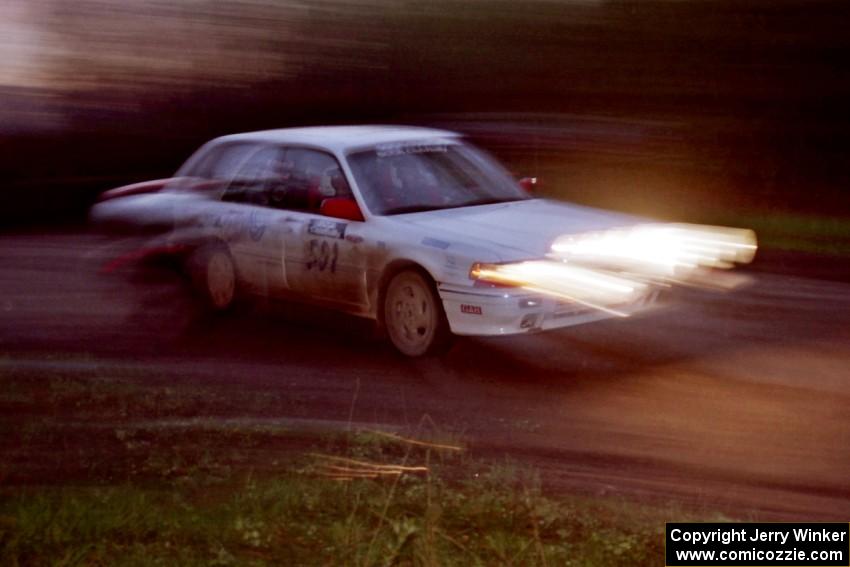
667 108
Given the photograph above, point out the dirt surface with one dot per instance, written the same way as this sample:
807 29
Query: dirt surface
733 402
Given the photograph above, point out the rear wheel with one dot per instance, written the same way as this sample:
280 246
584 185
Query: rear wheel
214 275
413 315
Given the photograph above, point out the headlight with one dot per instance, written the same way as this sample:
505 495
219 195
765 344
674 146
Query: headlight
586 286
609 269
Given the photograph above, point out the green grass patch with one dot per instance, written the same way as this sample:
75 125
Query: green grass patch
116 470
497 516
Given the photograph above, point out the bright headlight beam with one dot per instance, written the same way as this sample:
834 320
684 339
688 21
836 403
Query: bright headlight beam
660 249
609 269
586 286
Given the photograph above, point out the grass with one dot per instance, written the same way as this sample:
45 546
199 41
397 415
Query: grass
497 517
90 475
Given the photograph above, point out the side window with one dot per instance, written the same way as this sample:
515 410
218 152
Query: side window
255 178
306 178
282 178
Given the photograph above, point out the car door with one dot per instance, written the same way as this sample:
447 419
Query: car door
325 257
253 229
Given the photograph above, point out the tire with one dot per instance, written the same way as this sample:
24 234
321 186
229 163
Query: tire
214 276
413 315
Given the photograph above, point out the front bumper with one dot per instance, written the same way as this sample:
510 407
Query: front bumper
506 311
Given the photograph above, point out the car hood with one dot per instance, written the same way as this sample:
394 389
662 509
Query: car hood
517 230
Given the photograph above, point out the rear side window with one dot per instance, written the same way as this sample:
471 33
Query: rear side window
214 168
222 162
254 180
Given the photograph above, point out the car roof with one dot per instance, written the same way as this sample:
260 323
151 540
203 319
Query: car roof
342 138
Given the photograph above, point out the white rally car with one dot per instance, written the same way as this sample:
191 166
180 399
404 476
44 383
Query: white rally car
412 227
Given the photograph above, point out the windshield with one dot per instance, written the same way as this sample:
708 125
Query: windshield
408 178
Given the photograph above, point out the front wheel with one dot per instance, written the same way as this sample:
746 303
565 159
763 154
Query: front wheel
413 315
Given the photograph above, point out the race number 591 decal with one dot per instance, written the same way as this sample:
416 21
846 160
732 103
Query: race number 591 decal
321 255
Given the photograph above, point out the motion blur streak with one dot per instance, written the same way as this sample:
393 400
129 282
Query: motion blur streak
615 267
593 288
667 250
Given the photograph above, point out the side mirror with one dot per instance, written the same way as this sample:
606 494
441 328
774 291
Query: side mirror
528 184
341 208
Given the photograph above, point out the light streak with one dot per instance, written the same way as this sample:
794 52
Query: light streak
612 269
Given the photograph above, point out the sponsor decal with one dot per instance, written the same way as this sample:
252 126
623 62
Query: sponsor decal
435 243
470 309
388 150
328 228
355 238
321 255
